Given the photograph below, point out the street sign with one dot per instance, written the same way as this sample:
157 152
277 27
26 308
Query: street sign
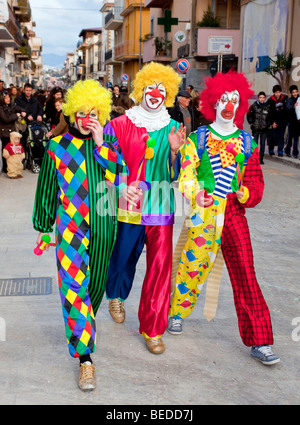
182 66
220 45
125 78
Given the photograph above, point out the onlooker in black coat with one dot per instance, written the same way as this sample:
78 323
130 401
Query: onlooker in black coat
50 111
182 112
259 118
279 120
293 123
30 104
33 108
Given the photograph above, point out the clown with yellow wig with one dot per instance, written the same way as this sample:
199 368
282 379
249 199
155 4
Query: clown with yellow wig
69 191
149 140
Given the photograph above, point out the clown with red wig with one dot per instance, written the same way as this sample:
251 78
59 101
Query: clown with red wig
221 176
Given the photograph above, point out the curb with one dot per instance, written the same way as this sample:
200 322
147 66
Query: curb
292 162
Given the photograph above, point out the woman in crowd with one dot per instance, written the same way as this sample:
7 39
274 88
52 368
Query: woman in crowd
50 111
9 115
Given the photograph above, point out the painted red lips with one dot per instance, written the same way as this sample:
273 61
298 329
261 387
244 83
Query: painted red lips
227 115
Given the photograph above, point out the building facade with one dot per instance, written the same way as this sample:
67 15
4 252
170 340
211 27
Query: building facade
176 32
90 64
20 48
130 21
269 28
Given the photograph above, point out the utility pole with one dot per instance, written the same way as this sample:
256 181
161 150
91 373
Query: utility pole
140 54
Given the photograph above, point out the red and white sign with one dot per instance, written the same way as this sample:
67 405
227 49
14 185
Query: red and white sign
125 78
182 66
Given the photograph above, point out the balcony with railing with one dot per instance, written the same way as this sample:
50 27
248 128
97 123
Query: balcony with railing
10 31
22 10
157 3
130 5
24 52
109 57
127 50
113 20
157 49
36 43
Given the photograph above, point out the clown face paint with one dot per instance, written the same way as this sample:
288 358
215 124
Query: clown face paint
227 106
82 119
154 97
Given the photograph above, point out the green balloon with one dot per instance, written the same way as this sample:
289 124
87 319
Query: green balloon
151 142
240 157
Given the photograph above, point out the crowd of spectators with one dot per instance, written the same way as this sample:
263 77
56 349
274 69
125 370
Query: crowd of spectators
274 122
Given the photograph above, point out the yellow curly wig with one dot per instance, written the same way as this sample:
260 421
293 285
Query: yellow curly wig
156 73
86 95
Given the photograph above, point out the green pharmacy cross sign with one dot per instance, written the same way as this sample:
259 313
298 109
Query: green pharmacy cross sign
167 21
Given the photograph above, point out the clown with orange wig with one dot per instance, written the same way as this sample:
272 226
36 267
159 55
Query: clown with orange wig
150 141
71 191
221 176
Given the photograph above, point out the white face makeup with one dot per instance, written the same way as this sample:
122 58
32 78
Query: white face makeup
81 119
227 106
154 97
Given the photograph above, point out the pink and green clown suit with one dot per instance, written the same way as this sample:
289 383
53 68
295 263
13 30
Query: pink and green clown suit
151 223
72 191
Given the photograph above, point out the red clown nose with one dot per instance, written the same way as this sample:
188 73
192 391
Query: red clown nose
85 121
156 93
229 107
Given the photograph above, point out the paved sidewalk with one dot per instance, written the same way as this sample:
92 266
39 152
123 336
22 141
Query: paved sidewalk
207 364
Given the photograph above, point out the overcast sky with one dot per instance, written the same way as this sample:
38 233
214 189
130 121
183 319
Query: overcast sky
59 22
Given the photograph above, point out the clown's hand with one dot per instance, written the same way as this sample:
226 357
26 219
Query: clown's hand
131 194
39 240
96 130
240 193
177 139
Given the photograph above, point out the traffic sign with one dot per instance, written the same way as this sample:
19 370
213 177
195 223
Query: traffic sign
220 45
125 77
182 66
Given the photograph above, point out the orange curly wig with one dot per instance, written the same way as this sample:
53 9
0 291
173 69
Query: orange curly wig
216 86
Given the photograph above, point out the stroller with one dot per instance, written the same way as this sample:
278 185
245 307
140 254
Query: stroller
36 143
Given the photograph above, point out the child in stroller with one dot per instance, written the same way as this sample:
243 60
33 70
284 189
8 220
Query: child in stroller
36 143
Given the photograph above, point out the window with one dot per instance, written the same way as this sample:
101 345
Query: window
229 12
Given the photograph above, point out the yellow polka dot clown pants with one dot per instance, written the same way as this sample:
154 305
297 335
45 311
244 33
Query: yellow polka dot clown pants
198 256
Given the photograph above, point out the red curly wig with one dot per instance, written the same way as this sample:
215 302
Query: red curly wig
216 86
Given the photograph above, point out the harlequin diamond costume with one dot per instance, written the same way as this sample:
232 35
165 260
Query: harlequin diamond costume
144 135
71 190
221 176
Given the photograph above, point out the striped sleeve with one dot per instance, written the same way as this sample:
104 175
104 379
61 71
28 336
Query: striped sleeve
44 211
